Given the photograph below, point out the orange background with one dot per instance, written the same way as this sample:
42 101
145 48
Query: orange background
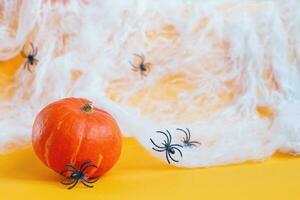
138 175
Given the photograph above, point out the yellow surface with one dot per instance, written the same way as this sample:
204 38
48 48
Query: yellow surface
140 176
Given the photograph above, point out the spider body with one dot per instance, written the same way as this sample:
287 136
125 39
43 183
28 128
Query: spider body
30 57
79 175
142 67
31 60
167 147
187 139
172 151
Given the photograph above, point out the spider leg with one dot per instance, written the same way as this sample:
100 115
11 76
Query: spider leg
35 51
35 61
191 145
83 164
142 57
32 48
173 159
82 181
195 143
165 135
69 183
87 166
91 180
164 143
29 67
186 134
158 150
67 170
155 144
25 65
169 136
133 65
134 69
176 145
178 150
75 183
71 166
189 133
167 156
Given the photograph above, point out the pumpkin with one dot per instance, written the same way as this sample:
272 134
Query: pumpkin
72 131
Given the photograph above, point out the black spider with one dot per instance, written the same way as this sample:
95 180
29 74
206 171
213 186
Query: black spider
79 175
142 67
167 146
187 139
30 57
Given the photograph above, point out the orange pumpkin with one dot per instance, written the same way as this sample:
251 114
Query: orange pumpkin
72 131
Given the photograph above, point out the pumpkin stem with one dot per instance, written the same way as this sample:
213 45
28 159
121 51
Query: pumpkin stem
87 108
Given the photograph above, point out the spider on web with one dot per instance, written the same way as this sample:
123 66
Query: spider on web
187 139
30 57
142 67
167 147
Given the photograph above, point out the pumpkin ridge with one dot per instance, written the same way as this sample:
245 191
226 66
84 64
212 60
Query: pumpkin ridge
44 140
49 141
100 156
46 150
98 163
74 156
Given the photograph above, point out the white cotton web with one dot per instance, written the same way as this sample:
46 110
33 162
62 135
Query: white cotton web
228 71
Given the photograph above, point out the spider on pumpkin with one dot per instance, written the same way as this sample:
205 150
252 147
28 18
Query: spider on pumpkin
79 175
142 67
167 146
30 57
187 139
